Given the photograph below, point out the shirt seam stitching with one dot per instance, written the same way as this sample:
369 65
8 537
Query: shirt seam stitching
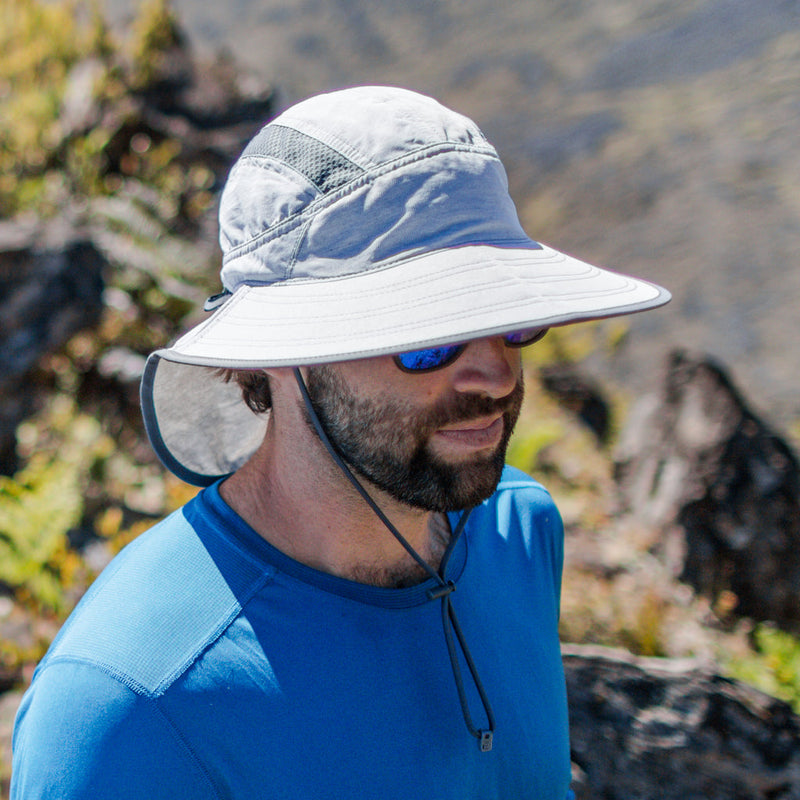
150 699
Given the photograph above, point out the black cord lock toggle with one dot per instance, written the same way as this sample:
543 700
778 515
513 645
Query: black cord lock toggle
442 591
486 741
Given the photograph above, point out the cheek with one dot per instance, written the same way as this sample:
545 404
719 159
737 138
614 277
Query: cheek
379 379
365 376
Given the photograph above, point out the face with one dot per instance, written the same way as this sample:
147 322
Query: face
429 456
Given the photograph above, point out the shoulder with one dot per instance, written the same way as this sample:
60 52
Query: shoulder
84 734
98 696
519 498
159 604
520 485
522 514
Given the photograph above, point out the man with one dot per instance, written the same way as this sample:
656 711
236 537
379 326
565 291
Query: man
362 602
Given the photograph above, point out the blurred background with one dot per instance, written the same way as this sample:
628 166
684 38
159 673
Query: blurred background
656 138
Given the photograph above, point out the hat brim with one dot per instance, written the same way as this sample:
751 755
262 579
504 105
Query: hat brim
199 426
435 298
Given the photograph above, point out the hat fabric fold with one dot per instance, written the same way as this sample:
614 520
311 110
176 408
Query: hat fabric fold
360 223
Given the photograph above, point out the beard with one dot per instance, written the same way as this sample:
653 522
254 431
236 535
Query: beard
387 441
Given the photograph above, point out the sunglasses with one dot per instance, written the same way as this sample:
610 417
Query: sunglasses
432 358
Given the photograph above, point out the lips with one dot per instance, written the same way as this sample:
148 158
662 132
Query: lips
473 434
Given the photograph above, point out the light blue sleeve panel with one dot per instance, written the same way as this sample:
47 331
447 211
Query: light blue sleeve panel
95 738
90 725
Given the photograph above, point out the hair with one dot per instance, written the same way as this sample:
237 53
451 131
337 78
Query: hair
254 385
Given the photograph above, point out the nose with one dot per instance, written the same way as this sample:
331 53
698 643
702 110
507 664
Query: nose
487 367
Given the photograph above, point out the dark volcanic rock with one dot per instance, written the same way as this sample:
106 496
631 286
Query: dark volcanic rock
652 729
580 395
51 285
699 456
48 292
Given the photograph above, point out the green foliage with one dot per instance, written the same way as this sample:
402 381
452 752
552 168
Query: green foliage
613 612
774 667
131 184
794 433
572 344
530 439
41 163
39 43
43 502
643 634
37 508
155 31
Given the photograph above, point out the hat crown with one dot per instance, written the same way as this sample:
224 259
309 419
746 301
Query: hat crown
373 125
345 181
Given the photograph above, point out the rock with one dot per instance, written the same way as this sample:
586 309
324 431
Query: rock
699 463
660 729
54 291
580 395
51 285
213 96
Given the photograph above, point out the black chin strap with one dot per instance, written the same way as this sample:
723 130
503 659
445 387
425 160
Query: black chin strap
442 591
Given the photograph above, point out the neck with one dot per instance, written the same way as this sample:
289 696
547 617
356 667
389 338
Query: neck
307 508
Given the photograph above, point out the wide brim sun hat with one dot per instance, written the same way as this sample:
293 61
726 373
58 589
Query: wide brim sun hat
359 223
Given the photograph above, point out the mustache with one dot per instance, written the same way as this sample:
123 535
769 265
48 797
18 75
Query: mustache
466 407
401 421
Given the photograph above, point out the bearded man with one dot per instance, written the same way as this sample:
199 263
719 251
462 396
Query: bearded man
363 600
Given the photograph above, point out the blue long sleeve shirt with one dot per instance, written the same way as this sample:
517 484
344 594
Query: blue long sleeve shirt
204 663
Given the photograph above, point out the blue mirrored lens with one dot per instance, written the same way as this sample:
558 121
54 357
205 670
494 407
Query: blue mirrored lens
430 358
528 336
